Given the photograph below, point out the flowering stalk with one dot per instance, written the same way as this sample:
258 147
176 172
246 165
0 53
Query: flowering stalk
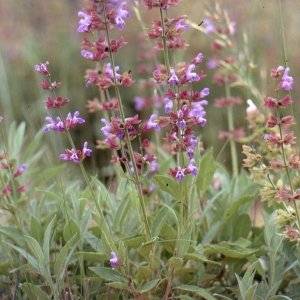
64 125
233 150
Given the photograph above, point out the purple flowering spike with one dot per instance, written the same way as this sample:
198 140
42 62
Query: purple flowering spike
179 174
191 76
84 24
286 82
121 13
173 79
150 124
85 150
1 118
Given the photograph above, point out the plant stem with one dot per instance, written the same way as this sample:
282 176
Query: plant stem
233 151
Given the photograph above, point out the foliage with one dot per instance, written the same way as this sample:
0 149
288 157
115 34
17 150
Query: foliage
172 222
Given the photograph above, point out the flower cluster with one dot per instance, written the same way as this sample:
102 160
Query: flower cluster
101 17
61 125
76 155
8 165
281 138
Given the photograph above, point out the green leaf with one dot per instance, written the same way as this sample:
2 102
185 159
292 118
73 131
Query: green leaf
195 289
159 221
144 273
33 291
134 241
32 261
242 231
121 213
108 274
106 245
62 258
47 237
146 248
185 297
200 257
149 286
16 235
234 207
119 286
251 292
37 251
168 185
228 250
175 262
71 228
206 172
92 256
36 229
185 242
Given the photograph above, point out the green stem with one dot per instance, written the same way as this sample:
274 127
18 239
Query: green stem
233 151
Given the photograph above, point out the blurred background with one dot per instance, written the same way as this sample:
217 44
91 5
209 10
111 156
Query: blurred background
33 31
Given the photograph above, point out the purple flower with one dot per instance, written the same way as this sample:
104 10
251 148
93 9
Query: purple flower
209 27
114 261
179 175
84 24
20 170
106 129
151 124
1 118
72 122
139 103
286 82
42 68
168 105
57 126
191 153
197 60
191 76
120 13
211 64
191 168
204 92
173 79
109 72
85 150
87 54
178 25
